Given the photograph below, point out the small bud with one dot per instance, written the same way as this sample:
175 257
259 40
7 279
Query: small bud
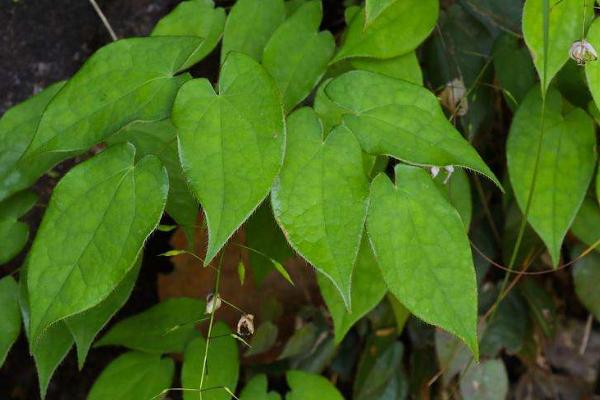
450 170
435 171
245 326
453 97
582 52
213 303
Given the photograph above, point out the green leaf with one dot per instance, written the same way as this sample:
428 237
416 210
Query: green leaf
85 326
508 329
421 247
14 234
250 25
52 347
307 386
400 312
487 380
160 139
374 8
399 29
320 198
134 376
10 324
17 129
458 192
264 236
297 54
98 218
231 144
263 339
329 112
166 327
368 288
402 120
50 351
586 276
405 67
592 69
566 165
514 69
586 226
128 80
197 18
453 356
301 342
565 26
256 389
380 374
222 365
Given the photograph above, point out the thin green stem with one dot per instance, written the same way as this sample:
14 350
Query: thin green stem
210 327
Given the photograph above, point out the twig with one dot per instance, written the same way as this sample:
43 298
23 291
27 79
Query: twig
109 28
586 334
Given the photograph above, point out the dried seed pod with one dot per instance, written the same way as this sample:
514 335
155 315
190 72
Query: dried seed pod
213 303
245 326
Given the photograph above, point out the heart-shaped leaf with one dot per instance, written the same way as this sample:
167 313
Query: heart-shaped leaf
399 29
297 54
231 144
403 120
250 25
421 247
256 389
128 80
566 164
160 139
197 18
374 8
565 25
98 218
134 376
320 198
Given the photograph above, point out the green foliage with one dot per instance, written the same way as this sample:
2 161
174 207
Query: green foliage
320 197
386 114
10 326
134 376
250 25
222 365
197 18
164 328
230 126
368 288
397 30
566 165
433 274
98 217
13 233
305 386
550 48
485 381
297 54
294 147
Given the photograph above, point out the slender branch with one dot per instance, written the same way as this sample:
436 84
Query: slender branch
109 28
